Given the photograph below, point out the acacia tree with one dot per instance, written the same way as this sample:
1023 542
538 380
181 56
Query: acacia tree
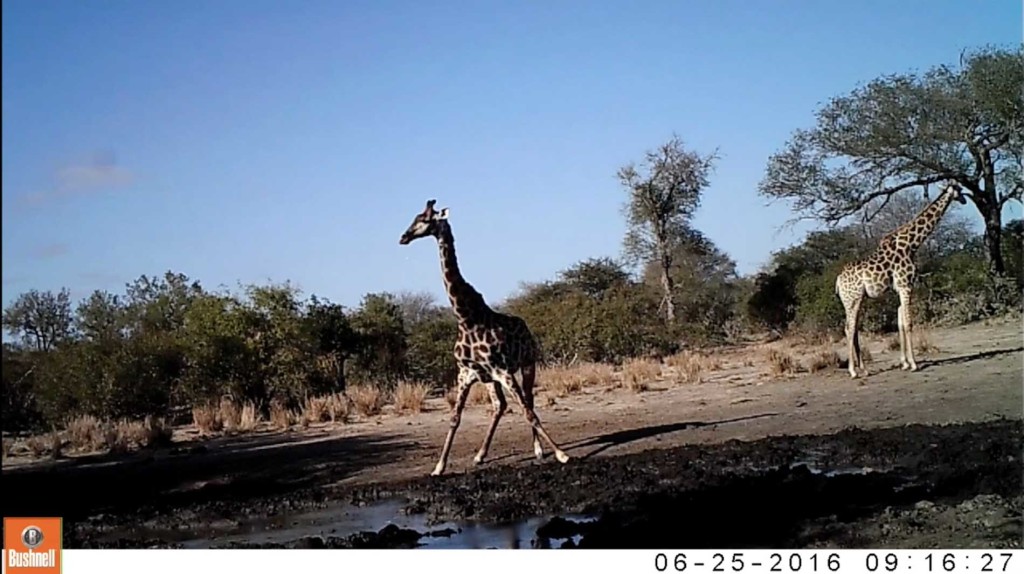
906 131
40 319
663 196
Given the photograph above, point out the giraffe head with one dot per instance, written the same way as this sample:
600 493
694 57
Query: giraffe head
428 222
953 188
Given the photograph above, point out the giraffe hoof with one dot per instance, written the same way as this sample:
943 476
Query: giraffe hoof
562 457
437 471
478 459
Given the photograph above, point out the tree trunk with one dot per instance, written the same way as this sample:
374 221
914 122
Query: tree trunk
339 381
667 287
994 241
991 210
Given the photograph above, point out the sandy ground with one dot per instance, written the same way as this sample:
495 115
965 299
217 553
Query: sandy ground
973 374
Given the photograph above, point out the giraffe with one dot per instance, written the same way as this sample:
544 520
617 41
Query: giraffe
490 349
892 262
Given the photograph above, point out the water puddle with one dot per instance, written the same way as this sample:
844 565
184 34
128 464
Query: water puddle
345 520
816 462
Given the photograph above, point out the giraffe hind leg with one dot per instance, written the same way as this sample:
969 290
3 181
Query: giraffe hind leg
511 385
529 377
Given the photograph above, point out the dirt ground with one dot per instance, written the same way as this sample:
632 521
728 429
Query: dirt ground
744 458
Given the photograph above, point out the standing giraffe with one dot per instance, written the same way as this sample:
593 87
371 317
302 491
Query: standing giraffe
892 262
491 346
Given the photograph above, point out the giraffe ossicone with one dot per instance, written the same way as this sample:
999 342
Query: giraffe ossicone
491 347
891 264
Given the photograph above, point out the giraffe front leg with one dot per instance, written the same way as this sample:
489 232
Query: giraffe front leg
465 381
499 404
902 333
852 339
907 331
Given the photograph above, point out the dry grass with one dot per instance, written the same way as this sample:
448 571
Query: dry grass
782 362
637 374
51 444
314 409
37 445
227 416
249 418
923 343
334 407
230 414
865 355
158 432
367 399
206 418
281 417
560 381
410 397
689 367
87 433
339 408
479 395
825 359
595 374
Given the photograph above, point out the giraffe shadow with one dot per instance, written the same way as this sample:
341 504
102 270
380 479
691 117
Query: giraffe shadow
618 438
925 365
237 469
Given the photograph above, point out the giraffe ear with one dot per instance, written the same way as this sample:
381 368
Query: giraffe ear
443 214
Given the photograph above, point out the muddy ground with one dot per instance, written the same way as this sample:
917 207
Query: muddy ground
744 459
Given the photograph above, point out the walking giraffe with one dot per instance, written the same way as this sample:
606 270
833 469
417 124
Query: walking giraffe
491 346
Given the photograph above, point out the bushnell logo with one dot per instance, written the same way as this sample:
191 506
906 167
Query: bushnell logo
32 545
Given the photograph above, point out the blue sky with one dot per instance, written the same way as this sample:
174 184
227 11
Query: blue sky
251 140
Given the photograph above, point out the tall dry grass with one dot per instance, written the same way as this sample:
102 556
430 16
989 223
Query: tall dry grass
638 374
410 397
689 367
367 400
781 362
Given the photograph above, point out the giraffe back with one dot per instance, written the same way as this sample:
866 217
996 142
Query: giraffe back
496 340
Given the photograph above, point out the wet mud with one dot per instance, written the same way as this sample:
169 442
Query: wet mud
957 485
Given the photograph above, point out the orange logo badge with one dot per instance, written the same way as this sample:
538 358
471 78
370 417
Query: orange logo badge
32 545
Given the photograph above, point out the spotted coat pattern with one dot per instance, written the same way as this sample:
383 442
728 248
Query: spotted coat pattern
892 263
491 348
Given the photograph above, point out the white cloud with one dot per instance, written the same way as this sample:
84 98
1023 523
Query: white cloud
51 250
99 174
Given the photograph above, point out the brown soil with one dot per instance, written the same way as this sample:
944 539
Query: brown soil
796 460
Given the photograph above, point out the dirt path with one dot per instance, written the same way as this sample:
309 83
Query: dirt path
627 447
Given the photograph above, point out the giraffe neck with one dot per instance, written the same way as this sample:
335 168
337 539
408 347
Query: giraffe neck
917 230
466 301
